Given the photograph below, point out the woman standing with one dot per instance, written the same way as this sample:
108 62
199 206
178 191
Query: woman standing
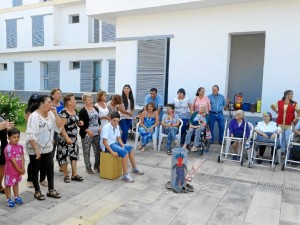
184 108
67 148
149 120
126 111
285 108
201 99
115 103
170 123
40 130
90 133
102 108
59 105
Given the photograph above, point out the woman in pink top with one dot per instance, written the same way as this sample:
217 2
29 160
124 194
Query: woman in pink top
201 100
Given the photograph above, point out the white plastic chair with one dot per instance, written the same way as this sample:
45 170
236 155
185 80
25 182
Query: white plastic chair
137 135
162 135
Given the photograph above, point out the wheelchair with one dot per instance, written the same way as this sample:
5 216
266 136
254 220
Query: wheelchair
292 159
253 159
227 142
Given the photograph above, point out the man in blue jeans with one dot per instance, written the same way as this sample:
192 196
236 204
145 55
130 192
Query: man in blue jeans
111 142
218 103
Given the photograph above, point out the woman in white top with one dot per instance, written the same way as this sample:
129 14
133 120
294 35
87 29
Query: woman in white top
102 107
267 131
40 129
126 111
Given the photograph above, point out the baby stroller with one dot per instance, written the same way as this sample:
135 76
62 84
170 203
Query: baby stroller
292 157
253 159
228 140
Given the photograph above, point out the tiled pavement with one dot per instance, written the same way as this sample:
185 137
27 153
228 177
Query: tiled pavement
225 193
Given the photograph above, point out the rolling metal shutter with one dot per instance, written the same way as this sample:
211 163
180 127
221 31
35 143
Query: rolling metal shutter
19 75
111 76
17 3
53 74
151 68
108 32
86 76
37 30
11 33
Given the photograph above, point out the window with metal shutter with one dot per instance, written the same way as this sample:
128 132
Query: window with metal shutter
11 33
17 3
96 31
151 68
19 75
37 30
111 76
54 75
86 76
108 32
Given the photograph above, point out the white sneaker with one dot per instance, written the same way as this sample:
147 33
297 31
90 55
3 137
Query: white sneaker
127 178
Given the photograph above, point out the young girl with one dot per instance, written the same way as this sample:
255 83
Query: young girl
14 167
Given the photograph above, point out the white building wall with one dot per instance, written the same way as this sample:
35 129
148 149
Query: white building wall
69 79
199 51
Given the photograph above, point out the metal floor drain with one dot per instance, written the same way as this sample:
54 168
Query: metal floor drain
262 184
207 177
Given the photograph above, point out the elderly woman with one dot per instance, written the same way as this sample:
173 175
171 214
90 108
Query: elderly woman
236 129
183 107
267 131
198 122
102 108
200 100
90 133
67 148
148 121
40 130
286 109
170 123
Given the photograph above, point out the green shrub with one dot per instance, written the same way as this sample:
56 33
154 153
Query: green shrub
11 109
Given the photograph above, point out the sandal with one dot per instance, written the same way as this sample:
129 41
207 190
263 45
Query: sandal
53 194
39 196
77 178
67 179
194 148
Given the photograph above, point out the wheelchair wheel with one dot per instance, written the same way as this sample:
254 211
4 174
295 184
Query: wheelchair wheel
242 161
282 168
219 159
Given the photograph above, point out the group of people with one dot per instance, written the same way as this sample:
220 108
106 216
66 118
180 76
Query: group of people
53 122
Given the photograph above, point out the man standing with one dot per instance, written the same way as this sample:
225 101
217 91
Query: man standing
218 103
157 100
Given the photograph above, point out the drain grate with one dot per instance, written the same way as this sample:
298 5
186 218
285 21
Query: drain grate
262 184
206 177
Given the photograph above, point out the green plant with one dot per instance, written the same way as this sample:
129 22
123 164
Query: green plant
11 109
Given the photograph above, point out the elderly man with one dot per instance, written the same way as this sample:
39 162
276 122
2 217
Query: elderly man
218 103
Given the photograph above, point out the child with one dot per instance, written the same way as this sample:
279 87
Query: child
14 167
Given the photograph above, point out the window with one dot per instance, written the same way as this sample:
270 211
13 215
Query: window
74 18
50 74
19 78
74 65
111 76
96 31
108 32
246 66
37 31
152 68
3 66
11 33
16 3
90 75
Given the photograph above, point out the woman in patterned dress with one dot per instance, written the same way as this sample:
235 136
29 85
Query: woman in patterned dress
68 150
149 120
